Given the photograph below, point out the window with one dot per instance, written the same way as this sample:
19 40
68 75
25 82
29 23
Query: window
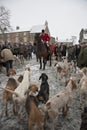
25 39
16 40
24 33
16 34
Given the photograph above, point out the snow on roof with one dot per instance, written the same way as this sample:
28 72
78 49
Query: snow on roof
20 30
16 30
34 29
37 28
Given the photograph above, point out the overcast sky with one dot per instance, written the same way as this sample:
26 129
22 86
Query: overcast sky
65 18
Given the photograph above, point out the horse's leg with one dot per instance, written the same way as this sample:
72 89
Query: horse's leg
44 63
50 59
37 58
40 63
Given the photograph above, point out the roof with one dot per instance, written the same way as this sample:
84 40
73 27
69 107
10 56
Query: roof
15 31
37 28
20 30
34 29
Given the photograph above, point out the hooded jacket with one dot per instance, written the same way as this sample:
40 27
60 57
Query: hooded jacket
7 55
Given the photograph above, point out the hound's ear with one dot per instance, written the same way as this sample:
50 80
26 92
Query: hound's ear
74 84
40 77
67 81
85 71
48 105
20 78
27 68
30 86
46 77
14 71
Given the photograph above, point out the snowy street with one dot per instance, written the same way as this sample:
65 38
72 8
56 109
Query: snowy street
70 122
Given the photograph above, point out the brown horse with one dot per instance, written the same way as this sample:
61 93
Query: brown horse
42 52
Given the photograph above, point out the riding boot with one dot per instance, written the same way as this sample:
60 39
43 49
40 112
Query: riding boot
48 49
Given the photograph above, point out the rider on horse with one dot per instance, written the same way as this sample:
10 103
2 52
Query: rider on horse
45 38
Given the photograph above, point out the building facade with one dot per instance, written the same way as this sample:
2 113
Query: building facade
65 42
24 36
83 36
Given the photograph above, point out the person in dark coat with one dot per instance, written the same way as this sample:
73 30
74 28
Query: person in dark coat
30 50
63 50
82 58
77 50
84 120
8 58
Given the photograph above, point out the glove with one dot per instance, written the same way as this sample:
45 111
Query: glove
42 40
46 41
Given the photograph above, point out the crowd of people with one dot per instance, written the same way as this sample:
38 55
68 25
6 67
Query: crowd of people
7 52
59 50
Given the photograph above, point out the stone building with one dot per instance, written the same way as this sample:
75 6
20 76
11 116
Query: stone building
67 42
83 36
24 36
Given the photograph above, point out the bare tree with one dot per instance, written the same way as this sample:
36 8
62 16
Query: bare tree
4 19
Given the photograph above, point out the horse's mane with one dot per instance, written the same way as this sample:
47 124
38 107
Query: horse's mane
37 37
40 45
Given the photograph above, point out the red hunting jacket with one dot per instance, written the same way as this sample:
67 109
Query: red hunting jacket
45 38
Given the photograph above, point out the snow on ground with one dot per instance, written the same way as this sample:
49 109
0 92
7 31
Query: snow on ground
71 122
